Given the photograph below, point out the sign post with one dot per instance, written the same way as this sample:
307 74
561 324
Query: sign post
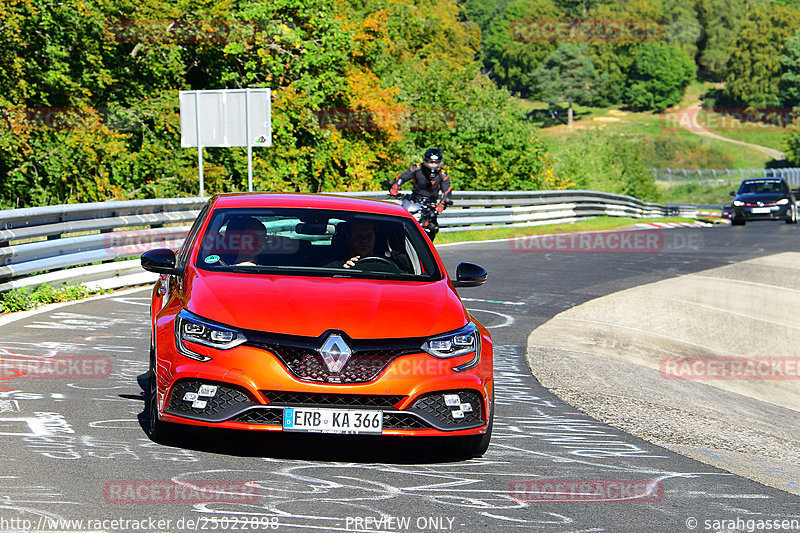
226 118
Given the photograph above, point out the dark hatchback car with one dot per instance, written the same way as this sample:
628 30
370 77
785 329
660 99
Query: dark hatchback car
763 199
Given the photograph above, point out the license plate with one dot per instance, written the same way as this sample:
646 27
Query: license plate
759 210
320 420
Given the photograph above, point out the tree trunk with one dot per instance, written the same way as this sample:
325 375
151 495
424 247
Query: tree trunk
569 115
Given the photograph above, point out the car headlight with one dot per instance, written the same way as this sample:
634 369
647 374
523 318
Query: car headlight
463 341
783 201
192 328
738 203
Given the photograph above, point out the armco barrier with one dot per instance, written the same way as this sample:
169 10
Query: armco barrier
100 243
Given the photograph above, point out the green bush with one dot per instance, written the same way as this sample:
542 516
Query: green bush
28 298
597 161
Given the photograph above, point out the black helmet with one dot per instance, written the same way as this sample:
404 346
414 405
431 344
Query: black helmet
433 155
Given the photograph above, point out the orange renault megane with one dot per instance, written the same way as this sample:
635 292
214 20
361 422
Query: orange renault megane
314 313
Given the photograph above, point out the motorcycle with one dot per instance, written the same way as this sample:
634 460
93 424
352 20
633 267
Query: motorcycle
422 209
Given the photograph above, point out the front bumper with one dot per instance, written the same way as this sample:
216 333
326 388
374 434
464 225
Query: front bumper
773 212
252 387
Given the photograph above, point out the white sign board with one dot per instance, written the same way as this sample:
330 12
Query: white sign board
225 117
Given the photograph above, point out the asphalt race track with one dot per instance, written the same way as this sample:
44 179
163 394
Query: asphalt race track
74 449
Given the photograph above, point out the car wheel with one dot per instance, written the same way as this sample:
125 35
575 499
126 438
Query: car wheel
793 217
157 429
476 445
737 222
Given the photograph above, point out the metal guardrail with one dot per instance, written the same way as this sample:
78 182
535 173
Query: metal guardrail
95 243
718 176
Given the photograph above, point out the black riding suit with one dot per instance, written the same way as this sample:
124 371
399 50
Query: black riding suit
427 183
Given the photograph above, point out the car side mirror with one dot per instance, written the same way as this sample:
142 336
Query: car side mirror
470 275
732 193
160 261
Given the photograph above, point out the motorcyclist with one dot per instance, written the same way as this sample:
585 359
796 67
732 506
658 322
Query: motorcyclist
429 178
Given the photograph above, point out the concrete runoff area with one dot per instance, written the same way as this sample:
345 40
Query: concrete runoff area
705 364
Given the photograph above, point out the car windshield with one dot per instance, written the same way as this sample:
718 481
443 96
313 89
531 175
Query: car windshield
315 242
762 186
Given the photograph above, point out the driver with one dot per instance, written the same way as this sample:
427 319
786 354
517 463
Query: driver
360 241
428 178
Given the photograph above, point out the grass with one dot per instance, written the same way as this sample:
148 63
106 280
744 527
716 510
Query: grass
594 224
666 144
692 193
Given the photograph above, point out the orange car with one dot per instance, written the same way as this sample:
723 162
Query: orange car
315 313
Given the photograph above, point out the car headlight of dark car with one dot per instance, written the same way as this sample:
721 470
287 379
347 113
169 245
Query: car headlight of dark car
738 203
783 201
192 328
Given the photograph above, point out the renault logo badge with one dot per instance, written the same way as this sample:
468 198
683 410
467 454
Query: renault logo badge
335 352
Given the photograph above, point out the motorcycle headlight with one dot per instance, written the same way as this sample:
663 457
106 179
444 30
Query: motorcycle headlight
783 201
190 327
460 342
738 203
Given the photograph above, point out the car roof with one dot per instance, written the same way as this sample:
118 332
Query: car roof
762 179
307 200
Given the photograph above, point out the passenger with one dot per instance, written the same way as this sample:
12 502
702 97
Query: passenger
245 239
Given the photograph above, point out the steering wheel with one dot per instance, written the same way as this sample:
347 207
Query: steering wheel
377 259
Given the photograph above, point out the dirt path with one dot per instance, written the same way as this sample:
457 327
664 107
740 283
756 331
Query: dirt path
687 119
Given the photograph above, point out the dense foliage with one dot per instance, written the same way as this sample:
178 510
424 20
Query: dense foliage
88 88
605 162
89 97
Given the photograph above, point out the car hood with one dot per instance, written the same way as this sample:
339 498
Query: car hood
309 306
767 198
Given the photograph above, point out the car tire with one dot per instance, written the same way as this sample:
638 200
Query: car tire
737 222
476 445
793 217
157 429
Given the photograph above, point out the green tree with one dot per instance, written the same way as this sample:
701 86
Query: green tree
659 76
789 84
682 25
359 86
518 41
568 74
791 144
721 21
754 69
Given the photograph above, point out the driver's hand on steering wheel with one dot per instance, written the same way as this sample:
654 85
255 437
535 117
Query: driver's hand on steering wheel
351 262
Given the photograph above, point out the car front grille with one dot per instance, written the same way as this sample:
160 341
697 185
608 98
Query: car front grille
268 417
403 421
318 399
301 356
